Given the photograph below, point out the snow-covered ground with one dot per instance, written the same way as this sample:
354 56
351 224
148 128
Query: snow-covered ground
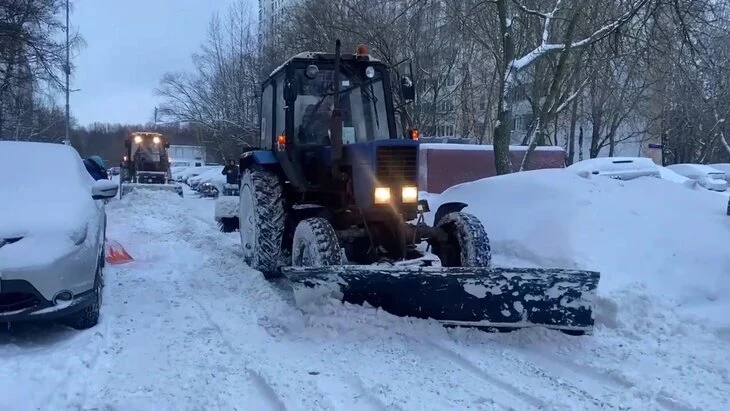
189 326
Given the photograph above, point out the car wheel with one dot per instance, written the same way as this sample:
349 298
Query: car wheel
89 316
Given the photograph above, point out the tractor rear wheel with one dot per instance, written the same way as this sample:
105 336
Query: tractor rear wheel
315 244
468 243
261 218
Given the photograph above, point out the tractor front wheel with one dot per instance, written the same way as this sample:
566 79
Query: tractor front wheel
468 243
315 244
261 218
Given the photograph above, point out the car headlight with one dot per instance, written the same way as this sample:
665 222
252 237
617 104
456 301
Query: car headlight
409 194
79 236
382 195
137 139
156 140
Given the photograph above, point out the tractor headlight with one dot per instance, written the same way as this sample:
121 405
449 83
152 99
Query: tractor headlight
382 195
409 194
156 140
137 139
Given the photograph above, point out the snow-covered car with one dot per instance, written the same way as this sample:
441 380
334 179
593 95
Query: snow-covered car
725 168
620 168
52 234
706 176
186 174
213 175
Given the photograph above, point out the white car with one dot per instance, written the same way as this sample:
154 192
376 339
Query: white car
706 176
52 233
620 168
725 168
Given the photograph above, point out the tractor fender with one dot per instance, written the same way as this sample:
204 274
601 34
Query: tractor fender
447 208
259 158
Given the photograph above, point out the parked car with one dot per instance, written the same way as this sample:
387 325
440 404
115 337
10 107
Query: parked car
706 176
725 168
620 168
52 233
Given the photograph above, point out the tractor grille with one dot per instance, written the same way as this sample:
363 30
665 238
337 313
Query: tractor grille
396 164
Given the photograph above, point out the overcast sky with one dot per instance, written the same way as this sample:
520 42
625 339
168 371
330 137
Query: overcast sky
130 44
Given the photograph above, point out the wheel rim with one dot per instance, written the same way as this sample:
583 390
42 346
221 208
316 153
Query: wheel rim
246 223
302 258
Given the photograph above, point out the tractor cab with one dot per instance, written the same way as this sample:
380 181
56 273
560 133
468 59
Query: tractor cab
145 158
325 116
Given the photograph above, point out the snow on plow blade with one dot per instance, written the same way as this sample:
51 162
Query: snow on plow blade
488 298
130 187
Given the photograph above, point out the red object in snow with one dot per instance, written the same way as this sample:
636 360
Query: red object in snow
116 254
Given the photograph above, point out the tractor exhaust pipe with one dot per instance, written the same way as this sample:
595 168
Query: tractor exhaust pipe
336 125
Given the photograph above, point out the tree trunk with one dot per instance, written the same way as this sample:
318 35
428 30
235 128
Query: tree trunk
502 161
571 136
580 144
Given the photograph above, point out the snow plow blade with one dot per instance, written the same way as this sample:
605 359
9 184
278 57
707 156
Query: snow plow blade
130 187
493 299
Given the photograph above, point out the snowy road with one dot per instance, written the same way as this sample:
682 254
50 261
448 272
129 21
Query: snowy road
188 326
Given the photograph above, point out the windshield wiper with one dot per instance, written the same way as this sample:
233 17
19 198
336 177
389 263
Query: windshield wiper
369 93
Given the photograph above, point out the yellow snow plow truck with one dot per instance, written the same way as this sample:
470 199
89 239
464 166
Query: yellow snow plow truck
146 165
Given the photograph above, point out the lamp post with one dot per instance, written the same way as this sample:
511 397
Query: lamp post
67 69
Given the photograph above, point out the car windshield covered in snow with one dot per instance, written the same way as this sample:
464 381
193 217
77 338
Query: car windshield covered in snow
362 104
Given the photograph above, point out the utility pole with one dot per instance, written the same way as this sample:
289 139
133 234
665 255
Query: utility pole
67 69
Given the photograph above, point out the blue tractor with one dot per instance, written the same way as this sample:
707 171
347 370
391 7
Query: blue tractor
329 200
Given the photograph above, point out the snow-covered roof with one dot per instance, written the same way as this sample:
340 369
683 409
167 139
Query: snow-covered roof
614 164
481 147
311 55
694 170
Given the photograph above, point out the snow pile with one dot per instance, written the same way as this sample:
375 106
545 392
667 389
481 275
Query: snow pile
647 237
226 206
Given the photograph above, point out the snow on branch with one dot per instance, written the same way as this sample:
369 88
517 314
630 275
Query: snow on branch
545 47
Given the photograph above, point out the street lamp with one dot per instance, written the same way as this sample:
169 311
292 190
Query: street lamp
67 70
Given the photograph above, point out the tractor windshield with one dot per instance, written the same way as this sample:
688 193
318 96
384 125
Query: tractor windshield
362 104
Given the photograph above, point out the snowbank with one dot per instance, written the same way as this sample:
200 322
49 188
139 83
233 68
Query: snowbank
646 236
226 206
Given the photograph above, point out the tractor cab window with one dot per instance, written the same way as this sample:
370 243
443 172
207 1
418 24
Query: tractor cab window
362 105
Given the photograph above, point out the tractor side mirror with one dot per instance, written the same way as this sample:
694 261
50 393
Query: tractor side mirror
290 91
407 90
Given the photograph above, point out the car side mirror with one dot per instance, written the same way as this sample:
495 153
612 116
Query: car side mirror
407 90
104 189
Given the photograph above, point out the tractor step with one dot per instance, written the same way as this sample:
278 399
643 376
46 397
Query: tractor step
486 298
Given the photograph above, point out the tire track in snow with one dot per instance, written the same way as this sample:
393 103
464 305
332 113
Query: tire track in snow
601 378
514 393
580 387
265 389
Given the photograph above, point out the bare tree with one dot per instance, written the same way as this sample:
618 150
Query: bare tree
562 28
31 61
222 95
